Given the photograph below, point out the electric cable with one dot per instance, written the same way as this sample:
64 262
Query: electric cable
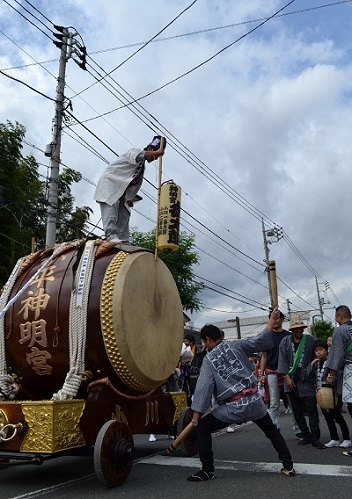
144 45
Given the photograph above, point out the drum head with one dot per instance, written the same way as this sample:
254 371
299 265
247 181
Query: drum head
141 320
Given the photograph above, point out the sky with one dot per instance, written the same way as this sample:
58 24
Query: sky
256 111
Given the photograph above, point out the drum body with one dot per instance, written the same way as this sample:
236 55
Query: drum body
133 325
327 398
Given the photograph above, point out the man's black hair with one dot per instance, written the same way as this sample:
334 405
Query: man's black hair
190 338
320 343
344 311
281 314
211 331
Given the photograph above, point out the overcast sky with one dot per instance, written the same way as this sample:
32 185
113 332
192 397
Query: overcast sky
261 130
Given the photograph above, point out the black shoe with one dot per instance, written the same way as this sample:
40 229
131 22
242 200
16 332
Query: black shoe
318 445
286 472
300 436
347 453
201 476
305 441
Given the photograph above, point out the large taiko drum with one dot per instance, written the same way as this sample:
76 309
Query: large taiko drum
123 305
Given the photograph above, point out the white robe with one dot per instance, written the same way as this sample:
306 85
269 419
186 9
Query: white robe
117 177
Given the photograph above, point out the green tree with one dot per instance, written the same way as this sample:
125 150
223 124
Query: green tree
322 329
180 264
23 202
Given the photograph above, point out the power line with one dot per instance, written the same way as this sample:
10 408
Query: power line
181 35
291 248
201 64
143 46
216 28
35 8
26 18
27 85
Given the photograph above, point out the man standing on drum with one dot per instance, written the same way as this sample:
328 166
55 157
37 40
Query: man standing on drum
118 186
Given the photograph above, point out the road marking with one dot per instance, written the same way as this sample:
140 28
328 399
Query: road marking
53 488
301 468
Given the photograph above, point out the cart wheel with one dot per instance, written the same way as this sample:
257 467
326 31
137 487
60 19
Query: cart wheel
113 453
189 445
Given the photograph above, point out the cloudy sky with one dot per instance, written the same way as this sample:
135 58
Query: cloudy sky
256 112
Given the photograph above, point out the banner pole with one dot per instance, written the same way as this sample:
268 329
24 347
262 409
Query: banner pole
158 202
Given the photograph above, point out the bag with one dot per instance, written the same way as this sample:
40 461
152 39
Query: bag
326 398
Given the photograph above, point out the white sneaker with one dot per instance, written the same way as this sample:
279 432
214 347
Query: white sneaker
152 438
333 443
230 429
345 444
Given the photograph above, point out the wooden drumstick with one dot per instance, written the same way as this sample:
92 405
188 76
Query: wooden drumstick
186 431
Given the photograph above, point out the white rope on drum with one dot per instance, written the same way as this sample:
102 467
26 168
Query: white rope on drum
78 324
7 383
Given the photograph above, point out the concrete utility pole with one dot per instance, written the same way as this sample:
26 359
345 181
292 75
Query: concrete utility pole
320 300
275 234
289 308
266 251
54 150
238 328
67 46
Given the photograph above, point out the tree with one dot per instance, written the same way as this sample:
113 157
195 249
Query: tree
23 203
322 329
180 264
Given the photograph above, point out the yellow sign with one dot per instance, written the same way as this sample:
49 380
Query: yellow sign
169 217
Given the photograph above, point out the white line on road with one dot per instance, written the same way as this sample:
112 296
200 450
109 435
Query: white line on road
53 488
301 468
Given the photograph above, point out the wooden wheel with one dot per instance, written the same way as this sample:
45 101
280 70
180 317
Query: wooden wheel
189 445
113 453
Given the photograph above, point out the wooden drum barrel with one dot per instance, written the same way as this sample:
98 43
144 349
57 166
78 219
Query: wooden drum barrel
120 308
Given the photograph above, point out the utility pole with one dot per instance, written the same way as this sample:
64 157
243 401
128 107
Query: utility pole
288 303
266 251
238 328
320 300
67 46
275 235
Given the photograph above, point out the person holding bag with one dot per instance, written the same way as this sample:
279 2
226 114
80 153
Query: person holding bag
340 356
295 354
331 408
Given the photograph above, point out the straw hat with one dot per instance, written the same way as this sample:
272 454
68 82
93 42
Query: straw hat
296 323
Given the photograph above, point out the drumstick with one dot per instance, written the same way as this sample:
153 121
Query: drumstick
186 431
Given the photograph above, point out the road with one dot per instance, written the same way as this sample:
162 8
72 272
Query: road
246 467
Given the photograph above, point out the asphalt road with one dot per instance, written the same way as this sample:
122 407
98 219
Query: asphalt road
246 467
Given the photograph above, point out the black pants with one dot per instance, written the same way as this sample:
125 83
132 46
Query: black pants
209 424
349 407
333 416
301 405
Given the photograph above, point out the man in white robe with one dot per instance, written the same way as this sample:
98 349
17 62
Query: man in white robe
118 186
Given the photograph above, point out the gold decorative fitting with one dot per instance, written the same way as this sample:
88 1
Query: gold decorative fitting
86 376
53 425
180 402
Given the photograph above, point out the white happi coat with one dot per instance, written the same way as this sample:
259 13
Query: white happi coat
117 177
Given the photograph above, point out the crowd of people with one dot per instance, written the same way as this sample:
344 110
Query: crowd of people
292 366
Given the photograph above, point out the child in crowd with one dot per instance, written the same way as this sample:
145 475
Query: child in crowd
331 416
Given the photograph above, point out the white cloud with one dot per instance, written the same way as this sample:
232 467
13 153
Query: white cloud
270 116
